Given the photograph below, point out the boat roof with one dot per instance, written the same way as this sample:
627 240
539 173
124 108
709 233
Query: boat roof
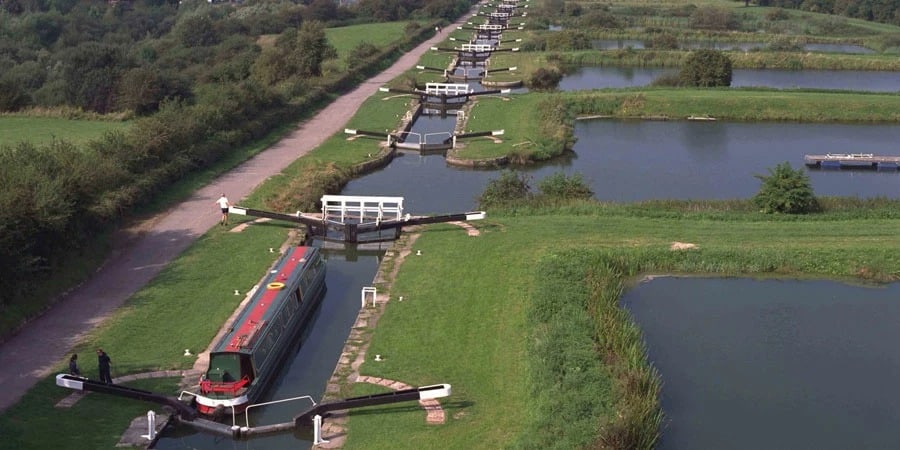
260 309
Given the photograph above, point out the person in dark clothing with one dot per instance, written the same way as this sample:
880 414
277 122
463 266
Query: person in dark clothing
103 361
73 365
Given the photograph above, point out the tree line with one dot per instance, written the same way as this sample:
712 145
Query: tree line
884 11
192 76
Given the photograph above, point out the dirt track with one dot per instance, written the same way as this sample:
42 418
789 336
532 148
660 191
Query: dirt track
43 343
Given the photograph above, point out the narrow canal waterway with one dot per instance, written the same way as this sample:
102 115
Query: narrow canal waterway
310 365
772 364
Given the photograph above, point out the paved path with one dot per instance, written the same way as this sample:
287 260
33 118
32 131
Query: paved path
42 344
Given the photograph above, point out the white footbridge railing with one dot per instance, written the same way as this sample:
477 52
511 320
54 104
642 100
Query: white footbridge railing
362 208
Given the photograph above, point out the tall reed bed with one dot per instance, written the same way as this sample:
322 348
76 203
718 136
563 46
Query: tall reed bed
592 383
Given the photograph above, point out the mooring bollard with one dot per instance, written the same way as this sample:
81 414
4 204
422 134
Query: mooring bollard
317 431
151 425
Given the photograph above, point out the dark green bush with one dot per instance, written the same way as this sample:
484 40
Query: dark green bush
706 68
510 186
663 41
787 191
560 186
545 79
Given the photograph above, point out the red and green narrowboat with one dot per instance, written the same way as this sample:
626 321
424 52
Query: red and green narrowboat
249 355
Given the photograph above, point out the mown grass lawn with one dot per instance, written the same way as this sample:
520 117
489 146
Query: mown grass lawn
464 321
42 130
345 39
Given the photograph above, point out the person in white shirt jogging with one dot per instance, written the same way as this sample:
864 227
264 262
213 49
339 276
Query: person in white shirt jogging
223 205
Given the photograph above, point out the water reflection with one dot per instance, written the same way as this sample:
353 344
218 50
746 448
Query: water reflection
638 44
751 364
619 77
628 161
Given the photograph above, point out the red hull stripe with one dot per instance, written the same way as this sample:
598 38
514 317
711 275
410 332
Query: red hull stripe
265 299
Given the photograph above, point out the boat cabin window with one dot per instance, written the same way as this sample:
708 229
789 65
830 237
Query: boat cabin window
229 367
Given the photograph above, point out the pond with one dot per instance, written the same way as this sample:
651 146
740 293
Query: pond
626 161
772 364
585 78
639 44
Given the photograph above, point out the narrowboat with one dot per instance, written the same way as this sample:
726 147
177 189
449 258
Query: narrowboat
248 356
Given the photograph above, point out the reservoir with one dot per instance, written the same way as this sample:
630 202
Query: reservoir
638 44
626 161
593 77
774 364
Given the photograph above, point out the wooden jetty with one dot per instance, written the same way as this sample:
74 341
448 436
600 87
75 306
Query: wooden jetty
852 161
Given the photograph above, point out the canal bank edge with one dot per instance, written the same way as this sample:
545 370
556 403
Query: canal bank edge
346 371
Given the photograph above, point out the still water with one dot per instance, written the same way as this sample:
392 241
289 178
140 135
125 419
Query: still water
585 78
772 364
307 370
626 161
637 44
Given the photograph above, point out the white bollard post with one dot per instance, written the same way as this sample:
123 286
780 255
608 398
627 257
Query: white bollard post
151 425
317 431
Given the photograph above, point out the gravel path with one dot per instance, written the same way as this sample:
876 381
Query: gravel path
30 355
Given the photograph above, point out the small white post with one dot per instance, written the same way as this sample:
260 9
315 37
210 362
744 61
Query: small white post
366 290
151 425
317 430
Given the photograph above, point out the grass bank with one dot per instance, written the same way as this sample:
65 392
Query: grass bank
740 104
740 60
530 334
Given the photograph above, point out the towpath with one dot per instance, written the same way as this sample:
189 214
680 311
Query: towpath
31 354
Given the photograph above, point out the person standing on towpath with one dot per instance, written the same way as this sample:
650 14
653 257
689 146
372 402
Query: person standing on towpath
103 362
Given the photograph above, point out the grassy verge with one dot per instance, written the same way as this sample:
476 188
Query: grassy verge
516 365
95 422
381 34
42 130
741 104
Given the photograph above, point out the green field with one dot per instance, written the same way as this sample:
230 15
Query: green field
345 39
41 130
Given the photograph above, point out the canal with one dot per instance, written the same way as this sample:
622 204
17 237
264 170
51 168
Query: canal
679 160
308 369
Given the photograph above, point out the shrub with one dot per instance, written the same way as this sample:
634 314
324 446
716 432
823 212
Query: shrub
600 19
713 18
663 41
776 14
561 186
785 44
667 80
510 186
787 191
568 40
706 68
545 79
